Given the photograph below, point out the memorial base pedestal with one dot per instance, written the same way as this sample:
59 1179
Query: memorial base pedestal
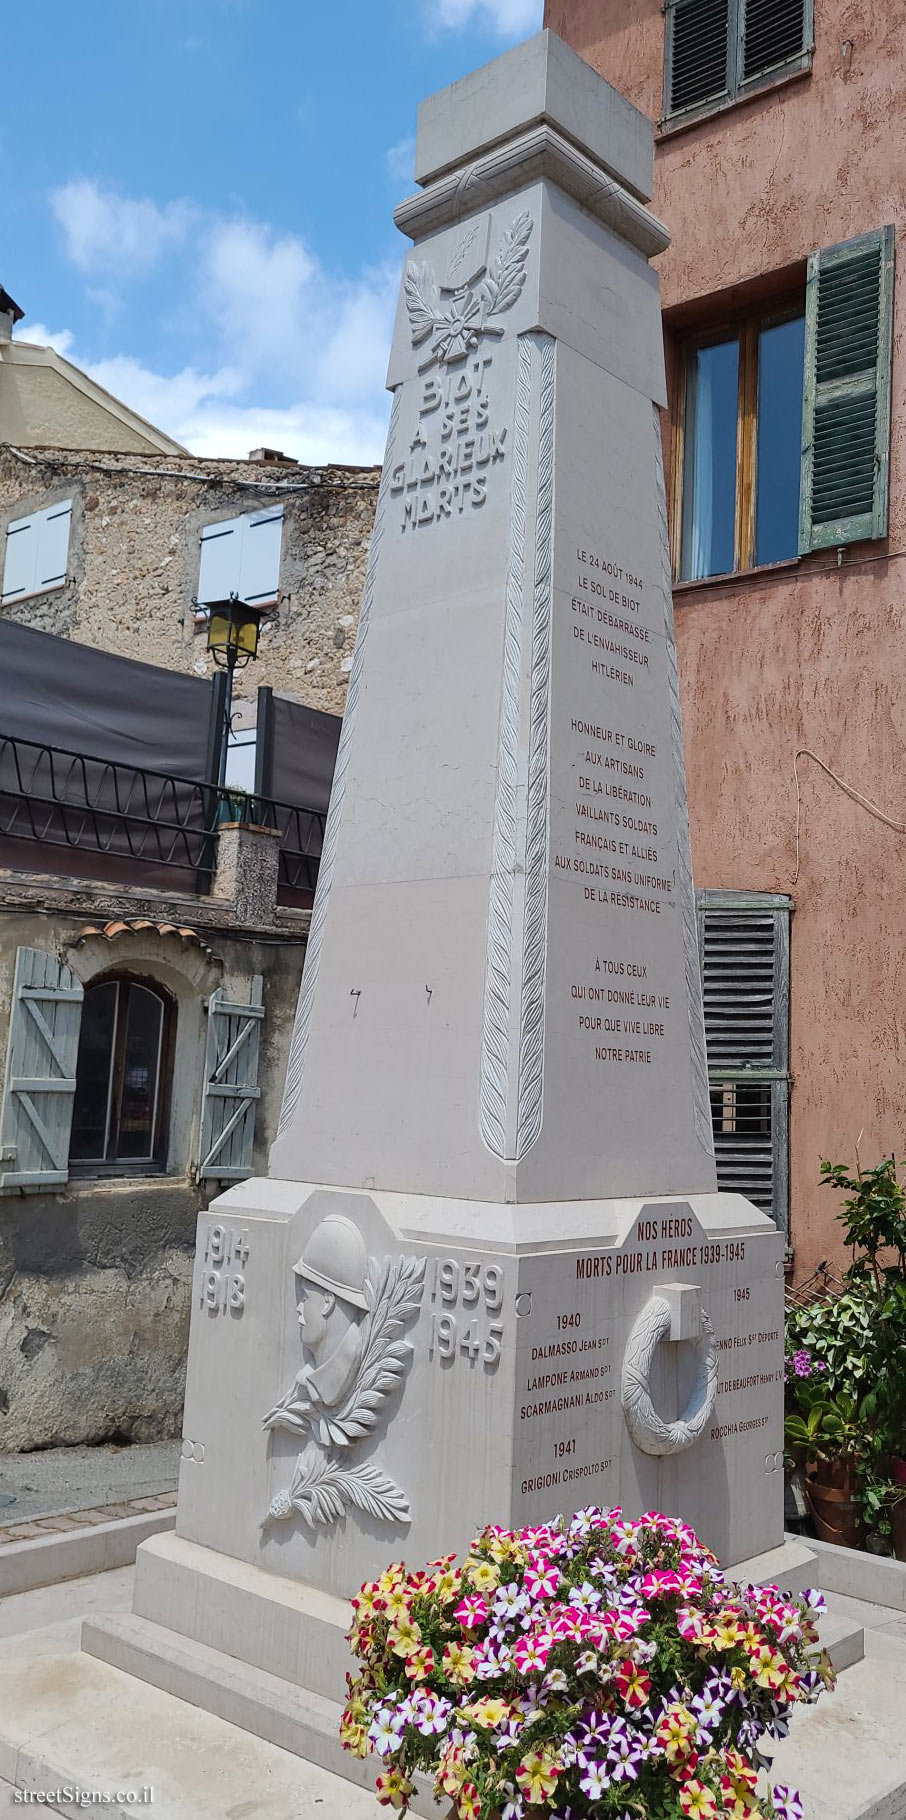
542 1357
511 1362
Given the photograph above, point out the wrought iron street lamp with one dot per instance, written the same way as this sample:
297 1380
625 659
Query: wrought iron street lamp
233 628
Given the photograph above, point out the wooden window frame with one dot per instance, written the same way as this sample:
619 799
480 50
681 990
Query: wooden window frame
745 328
737 89
156 1164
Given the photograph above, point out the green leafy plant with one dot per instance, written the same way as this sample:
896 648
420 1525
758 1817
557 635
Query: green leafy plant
874 1218
837 1335
830 1429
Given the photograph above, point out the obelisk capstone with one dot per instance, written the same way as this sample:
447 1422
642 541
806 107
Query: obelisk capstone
490 1275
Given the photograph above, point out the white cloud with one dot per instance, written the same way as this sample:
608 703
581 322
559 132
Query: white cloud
313 433
165 401
107 232
400 161
285 353
39 335
508 18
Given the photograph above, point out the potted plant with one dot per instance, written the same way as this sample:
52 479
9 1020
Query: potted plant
594 1667
827 1439
874 1218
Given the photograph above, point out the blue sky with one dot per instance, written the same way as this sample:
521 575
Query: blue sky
196 200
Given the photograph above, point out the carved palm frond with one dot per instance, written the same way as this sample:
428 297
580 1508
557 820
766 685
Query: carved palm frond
393 1293
463 247
506 276
420 292
328 1488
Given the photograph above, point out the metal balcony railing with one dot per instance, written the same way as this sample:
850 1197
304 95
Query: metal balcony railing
93 805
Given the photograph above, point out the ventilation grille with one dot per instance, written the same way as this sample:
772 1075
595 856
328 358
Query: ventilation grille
698 69
774 33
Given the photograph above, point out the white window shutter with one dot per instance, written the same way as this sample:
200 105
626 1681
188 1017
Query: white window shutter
260 565
53 545
38 1092
218 575
21 558
231 1088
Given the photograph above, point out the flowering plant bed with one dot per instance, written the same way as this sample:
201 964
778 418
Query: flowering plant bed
598 1667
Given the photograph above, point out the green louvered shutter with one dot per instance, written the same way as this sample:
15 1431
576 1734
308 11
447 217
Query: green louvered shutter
774 33
698 46
846 404
744 952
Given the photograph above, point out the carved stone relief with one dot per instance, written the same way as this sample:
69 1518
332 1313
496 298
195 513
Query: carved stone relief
352 1312
456 313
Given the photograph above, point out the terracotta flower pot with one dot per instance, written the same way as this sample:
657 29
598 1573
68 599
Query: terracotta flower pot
830 1491
897 1468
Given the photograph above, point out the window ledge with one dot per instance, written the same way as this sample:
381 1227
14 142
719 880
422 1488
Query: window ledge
739 577
669 128
14 600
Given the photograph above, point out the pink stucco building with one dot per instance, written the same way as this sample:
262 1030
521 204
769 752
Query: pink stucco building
781 175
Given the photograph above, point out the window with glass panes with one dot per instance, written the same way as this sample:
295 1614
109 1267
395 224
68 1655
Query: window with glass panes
741 420
782 420
122 1078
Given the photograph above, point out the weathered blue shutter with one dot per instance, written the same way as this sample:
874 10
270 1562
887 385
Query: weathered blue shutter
231 1088
846 402
19 564
37 552
259 577
218 574
45 1015
242 556
53 545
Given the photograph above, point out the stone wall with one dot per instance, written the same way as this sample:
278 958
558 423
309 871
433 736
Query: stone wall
95 1276
134 559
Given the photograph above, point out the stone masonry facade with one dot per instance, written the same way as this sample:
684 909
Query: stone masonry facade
134 559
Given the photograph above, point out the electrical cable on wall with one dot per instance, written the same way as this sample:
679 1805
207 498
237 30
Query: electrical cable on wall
855 795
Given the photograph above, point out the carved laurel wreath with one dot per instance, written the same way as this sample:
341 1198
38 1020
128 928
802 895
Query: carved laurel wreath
325 1481
457 328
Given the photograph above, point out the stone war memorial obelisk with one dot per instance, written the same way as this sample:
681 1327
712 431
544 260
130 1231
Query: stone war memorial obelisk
489 1276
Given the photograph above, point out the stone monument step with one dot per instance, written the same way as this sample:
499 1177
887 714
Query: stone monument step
792 1565
277 1711
844 1640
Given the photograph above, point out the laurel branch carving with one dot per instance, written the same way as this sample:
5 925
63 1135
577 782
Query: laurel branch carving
302 1023
326 1480
648 1430
510 1100
458 325
495 1049
701 1100
534 946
